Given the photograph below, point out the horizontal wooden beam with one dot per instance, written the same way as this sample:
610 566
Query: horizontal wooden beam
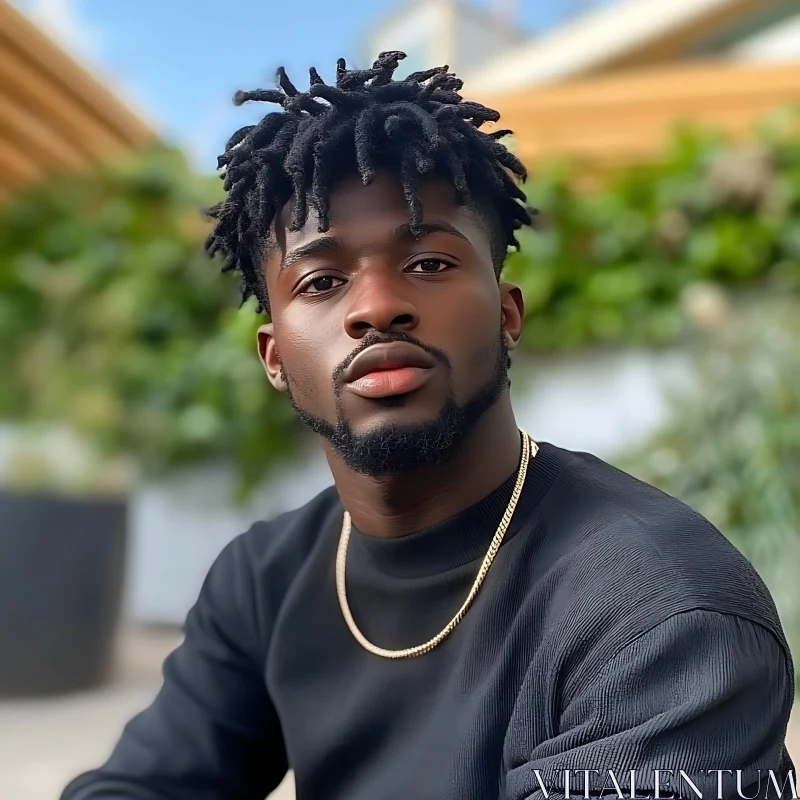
672 46
30 88
697 82
16 168
54 115
630 115
35 134
20 37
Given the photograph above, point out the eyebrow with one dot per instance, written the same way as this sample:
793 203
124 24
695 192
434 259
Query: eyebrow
325 244
425 228
330 244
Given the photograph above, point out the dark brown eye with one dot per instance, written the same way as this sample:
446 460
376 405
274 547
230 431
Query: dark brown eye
430 265
315 282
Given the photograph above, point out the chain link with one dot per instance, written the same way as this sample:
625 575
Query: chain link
529 450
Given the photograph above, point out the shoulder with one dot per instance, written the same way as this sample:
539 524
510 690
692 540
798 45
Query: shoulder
635 556
259 565
288 538
250 578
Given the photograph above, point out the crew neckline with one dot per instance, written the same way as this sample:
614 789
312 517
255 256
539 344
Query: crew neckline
461 538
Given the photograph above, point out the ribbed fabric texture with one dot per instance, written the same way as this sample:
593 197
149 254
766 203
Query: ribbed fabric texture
616 630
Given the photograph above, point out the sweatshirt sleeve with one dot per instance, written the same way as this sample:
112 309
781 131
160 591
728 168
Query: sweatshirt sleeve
212 732
701 692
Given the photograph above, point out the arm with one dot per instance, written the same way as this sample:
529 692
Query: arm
700 691
212 732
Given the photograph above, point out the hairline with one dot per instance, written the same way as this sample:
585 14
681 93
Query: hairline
485 213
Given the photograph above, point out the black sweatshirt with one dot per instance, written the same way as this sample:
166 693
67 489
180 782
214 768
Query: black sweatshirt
617 629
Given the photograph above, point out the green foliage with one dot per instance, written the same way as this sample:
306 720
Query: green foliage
612 261
732 447
113 321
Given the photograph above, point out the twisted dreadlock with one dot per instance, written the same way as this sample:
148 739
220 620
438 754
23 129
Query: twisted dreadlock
414 127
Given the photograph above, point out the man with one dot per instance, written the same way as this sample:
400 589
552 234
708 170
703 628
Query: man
464 613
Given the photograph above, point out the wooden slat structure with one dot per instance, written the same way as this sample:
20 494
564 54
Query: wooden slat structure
54 115
698 34
626 117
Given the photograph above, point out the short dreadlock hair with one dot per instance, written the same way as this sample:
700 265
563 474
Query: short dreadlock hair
414 127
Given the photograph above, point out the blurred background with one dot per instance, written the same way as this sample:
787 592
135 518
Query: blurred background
138 434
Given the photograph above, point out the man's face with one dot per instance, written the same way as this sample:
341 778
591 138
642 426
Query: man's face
367 280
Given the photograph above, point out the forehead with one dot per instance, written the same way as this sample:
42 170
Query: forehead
355 209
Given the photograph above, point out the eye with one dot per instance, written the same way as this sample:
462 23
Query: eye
425 263
315 281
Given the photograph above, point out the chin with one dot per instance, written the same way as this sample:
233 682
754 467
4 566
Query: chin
394 445
406 410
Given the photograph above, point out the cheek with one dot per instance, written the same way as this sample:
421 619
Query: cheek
305 361
476 335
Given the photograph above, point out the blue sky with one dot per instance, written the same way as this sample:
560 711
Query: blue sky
179 61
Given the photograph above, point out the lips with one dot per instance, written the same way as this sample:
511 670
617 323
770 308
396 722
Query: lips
391 369
380 357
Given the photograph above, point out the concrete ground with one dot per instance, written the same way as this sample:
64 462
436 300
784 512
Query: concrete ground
45 743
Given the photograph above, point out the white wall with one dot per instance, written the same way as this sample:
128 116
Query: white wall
436 32
781 42
422 32
587 42
478 39
598 402
179 526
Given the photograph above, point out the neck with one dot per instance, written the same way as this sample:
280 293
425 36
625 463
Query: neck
399 504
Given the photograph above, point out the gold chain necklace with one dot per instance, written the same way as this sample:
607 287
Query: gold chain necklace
529 450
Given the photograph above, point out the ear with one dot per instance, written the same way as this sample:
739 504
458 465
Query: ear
270 358
512 313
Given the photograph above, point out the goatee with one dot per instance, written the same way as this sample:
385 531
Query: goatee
394 447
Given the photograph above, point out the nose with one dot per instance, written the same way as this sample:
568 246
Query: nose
381 301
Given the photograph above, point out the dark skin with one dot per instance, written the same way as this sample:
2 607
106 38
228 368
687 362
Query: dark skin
374 282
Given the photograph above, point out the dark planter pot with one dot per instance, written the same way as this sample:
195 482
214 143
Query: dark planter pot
62 566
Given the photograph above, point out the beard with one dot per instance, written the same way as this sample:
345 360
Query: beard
393 447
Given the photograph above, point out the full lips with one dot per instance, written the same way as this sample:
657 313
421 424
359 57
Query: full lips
388 382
